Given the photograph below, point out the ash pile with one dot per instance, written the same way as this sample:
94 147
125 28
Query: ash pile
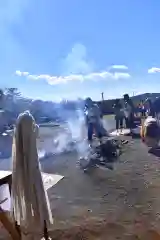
104 153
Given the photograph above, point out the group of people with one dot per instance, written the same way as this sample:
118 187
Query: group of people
146 108
94 115
125 112
124 115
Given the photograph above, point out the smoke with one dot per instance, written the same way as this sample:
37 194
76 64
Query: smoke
78 131
74 137
70 136
63 142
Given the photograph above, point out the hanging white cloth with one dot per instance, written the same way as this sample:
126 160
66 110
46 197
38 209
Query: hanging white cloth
30 202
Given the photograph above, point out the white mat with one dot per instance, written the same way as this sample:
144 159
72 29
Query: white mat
123 132
5 198
49 181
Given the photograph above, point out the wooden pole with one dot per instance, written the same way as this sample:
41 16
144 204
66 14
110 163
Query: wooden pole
102 94
9 225
46 236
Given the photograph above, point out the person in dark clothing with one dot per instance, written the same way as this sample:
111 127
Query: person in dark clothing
142 109
151 108
119 114
129 111
156 109
93 118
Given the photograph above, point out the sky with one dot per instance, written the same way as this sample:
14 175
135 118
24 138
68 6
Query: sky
66 49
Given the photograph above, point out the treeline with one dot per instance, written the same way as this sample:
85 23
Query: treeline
12 103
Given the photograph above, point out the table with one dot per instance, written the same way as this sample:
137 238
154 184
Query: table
14 230
6 178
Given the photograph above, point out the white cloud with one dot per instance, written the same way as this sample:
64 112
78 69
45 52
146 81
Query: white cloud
122 67
120 75
96 76
154 70
76 61
19 73
77 67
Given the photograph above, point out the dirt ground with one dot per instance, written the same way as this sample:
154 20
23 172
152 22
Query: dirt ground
119 204
106 205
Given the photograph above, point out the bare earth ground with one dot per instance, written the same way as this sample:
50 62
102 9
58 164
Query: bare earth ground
120 204
106 205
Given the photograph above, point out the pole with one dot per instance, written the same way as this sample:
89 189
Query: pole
102 94
8 225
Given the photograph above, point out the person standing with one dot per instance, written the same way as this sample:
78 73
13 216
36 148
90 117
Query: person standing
142 109
129 111
119 115
151 109
156 109
93 119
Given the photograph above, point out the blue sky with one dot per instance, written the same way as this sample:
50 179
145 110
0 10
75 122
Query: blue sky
53 49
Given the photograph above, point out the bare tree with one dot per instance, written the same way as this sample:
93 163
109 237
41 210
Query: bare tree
12 92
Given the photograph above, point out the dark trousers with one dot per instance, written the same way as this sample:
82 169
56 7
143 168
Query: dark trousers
143 113
129 121
119 123
94 127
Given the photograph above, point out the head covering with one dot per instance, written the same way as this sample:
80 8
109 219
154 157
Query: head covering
88 101
126 97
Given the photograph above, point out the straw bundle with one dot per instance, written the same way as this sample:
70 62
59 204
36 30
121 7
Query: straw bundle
29 199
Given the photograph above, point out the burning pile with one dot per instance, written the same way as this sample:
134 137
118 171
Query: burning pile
103 153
